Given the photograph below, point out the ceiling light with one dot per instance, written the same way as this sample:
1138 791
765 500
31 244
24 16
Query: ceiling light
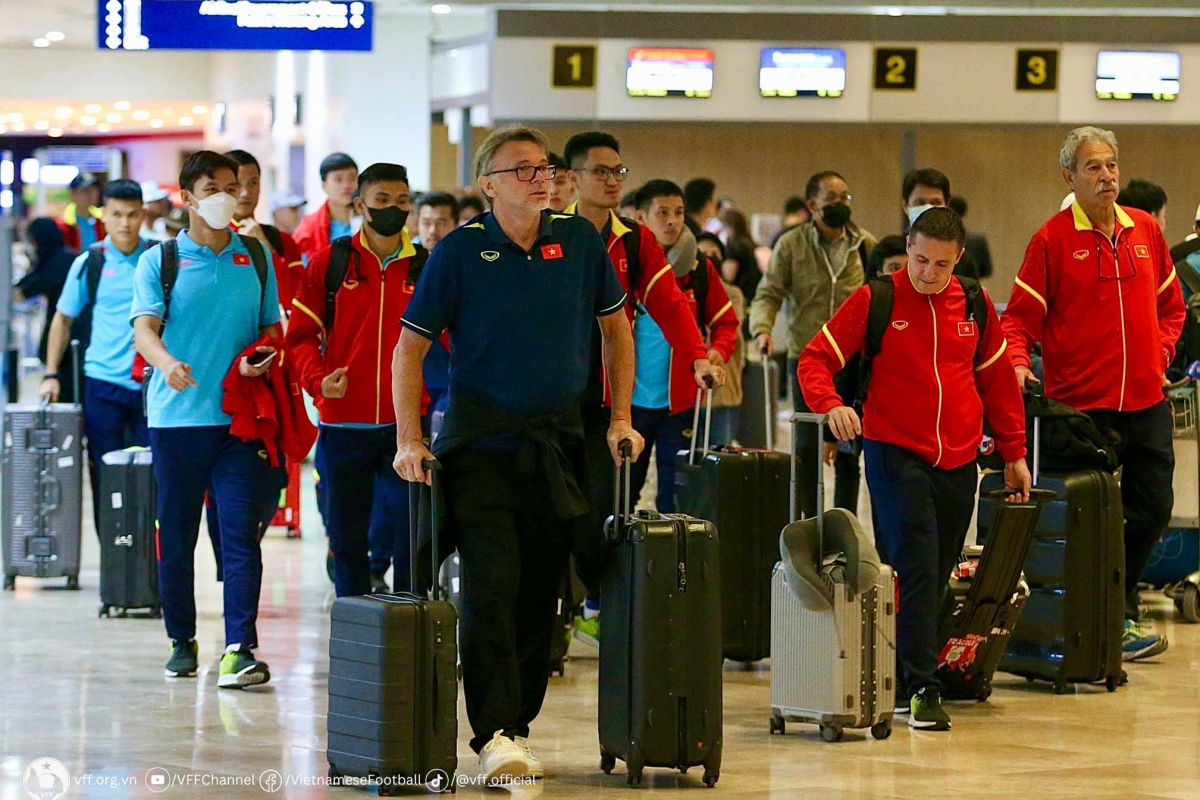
88 121
40 42
200 109
18 126
440 8
54 133
141 115
895 12
55 36
8 171
3 130
113 117
63 112
185 121
41 125
156 123
122 105
92 108
15 117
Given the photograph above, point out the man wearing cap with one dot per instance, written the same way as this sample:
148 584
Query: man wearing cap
81 221
339 181
157 204
285 209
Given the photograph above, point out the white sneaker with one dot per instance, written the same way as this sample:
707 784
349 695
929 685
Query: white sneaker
535 763
502 759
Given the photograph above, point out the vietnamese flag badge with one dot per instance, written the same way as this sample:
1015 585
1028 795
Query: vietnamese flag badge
241 259
552 252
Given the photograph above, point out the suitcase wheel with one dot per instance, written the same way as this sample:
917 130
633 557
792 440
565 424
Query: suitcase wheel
73 583
831 733
10 583
882 730
334 775
711 778
607 763
1189 603
633 778
103 611
778 725
1060 687
1112 682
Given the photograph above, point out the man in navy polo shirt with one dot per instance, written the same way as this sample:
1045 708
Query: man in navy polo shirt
219 307
520 291
112 409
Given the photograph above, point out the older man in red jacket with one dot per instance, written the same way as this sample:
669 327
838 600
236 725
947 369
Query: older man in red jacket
942 366
1097 288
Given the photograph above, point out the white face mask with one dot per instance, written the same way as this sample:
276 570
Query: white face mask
217 210
916 211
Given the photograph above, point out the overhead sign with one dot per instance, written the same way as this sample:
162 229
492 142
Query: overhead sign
895 68
1124 75
796 72
1037 70
233 25
574 66
669 72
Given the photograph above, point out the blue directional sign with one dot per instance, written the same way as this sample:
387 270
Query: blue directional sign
233 25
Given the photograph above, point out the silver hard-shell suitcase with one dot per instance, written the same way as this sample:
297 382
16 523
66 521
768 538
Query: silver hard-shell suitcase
41 496
834 668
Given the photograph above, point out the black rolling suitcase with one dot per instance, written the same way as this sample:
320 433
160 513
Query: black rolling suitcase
393 685
128 540
978 615
1070 630
757 416
745 494
660 646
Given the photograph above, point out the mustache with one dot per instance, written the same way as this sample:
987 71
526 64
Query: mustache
1105 186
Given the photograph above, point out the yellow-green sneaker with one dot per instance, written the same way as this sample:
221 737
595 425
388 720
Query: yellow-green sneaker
588 630
240 669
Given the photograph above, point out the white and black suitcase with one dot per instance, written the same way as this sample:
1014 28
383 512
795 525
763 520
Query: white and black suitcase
833 622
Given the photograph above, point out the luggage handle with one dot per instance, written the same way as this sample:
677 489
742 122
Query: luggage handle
431 465
707 392
621 492
819 420
1035 495
1036 390
770 420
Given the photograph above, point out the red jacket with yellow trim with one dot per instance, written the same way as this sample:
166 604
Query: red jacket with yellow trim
723 329
661 296
928 391
366 328
1108 315
312 234
270 407
289 265
68 223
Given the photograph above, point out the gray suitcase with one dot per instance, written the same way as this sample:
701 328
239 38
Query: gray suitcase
834 668
41 496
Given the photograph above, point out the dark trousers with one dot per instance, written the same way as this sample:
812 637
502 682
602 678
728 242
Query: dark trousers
379 541
589 546
846 471
657 426
921 516
514 552
113 419
187 461
362 492
275 482
1147 492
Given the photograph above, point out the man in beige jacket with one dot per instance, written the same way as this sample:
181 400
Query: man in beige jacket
815 266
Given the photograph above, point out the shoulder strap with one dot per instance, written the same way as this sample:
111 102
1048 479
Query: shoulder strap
259 258
633 251
417 264
700 290
977 308
93 268
168 273
274 238
335 273
878 316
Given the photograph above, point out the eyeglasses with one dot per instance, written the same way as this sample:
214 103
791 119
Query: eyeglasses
603 174
529 174
1117 265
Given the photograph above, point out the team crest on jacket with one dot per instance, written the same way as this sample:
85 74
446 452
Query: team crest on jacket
622 265
966 328
1141 251
987 446
350 283
899 324
489 255
1080 255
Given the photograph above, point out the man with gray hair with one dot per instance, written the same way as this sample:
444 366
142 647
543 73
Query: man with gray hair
1097 288
520 290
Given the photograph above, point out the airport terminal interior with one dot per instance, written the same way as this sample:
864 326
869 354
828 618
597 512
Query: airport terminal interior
962 239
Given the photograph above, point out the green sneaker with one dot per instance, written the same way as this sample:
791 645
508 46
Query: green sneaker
1138 643
588 630
183 662
925 711
240 669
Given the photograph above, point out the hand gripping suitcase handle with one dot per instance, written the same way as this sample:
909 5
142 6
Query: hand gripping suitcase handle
808 418
707 393
621 492
431 465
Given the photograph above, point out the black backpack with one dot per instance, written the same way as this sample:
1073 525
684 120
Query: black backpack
339 262
880 316
1071 440
699 286
632 240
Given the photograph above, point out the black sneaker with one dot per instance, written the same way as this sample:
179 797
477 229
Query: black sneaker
925 711
379 584
183 662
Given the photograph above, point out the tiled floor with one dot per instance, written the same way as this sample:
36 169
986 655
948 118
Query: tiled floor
90 693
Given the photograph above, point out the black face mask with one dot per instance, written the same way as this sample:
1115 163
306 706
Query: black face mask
387 221
836 215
